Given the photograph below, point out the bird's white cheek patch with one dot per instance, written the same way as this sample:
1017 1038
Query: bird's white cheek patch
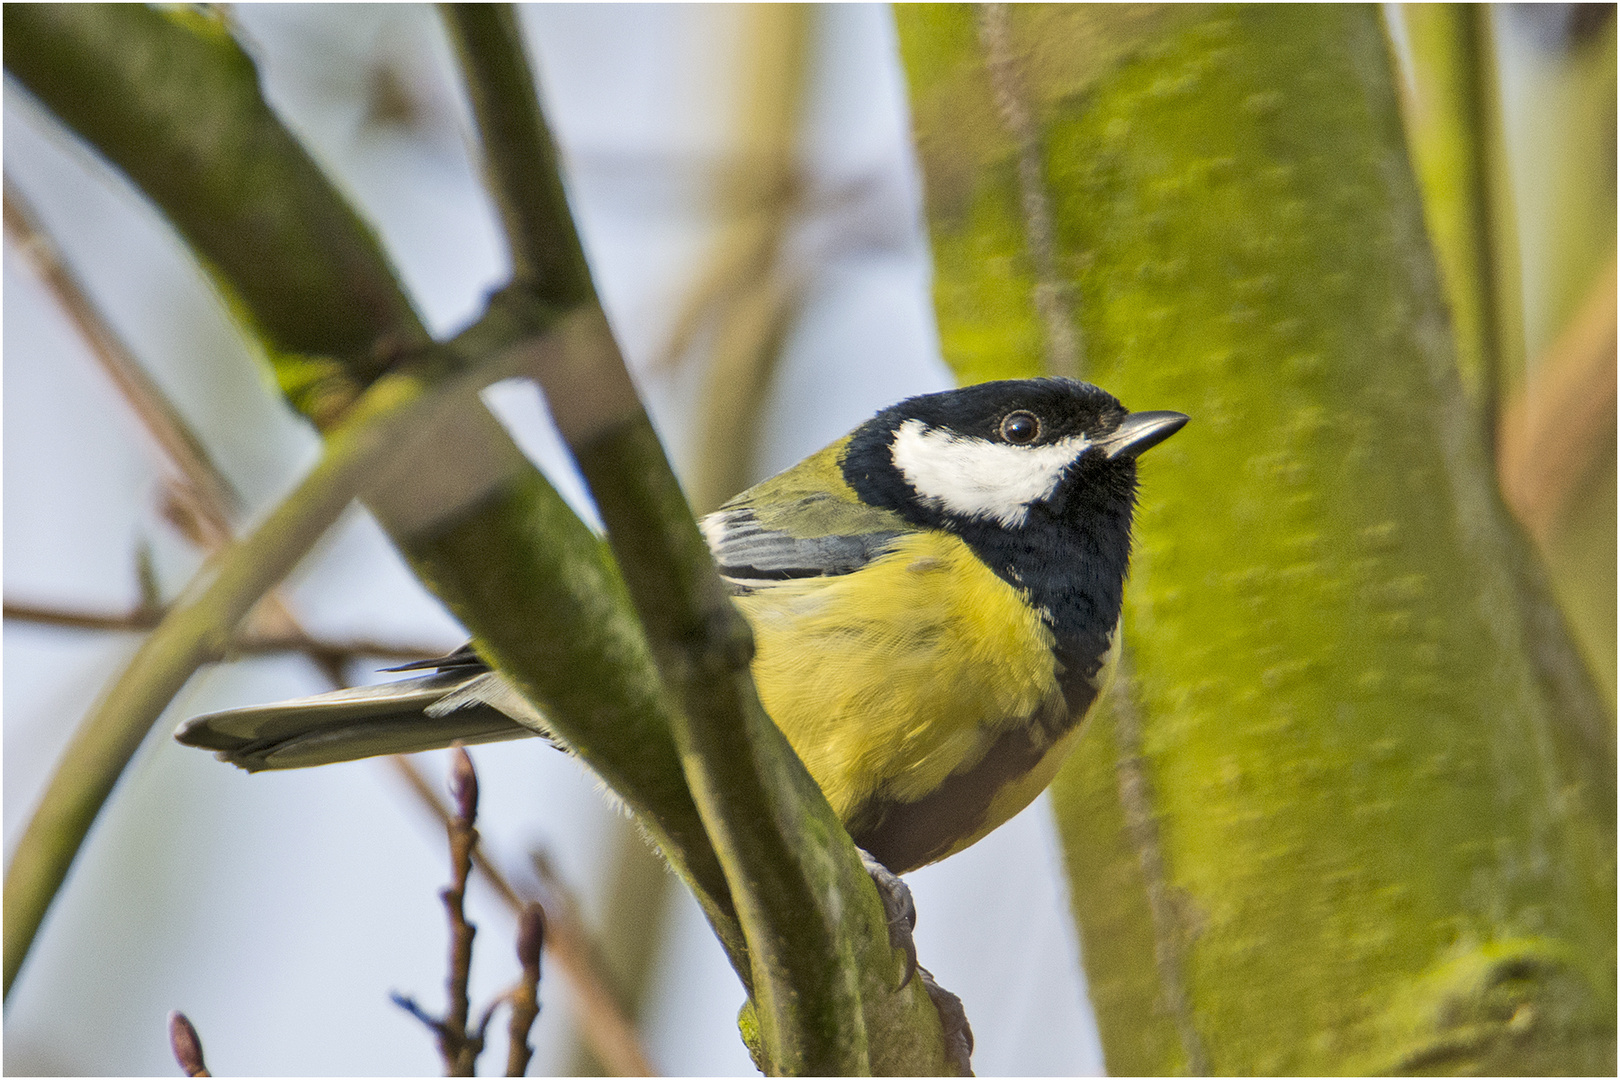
977 478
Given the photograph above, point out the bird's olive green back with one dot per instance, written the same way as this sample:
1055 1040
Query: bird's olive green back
811 500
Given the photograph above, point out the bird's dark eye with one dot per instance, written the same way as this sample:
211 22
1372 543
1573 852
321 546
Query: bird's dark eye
1020 427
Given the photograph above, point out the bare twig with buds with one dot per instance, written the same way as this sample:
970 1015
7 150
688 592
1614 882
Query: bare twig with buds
458 1046
603 1020
455 1043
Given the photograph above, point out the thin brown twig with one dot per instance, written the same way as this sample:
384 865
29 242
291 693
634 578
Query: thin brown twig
197 498
187 1045
201 487
602 1019
248 641
525 996
458 1046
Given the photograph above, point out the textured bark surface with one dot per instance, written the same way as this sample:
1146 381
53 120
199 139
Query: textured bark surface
1353 809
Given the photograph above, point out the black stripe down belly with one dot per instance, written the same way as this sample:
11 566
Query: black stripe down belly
905 835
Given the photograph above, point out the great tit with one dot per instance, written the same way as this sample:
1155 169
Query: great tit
934 600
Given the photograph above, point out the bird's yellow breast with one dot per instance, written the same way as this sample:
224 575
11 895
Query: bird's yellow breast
890 679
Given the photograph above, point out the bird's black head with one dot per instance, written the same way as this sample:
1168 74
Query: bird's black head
1003 454
1037 475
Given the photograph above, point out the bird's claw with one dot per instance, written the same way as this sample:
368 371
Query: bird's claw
900 910
953 1023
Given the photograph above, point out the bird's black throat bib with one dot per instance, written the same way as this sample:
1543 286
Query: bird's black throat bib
1069 556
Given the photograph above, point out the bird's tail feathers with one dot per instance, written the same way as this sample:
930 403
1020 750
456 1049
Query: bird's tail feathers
402 717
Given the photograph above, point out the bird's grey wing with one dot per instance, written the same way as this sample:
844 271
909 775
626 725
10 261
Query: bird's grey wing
818 535
425 713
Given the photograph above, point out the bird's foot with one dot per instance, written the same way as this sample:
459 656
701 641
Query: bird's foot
900 909
953 1023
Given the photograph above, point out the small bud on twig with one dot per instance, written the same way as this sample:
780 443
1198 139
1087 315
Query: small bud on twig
186 1045
463 784
526 994
531 937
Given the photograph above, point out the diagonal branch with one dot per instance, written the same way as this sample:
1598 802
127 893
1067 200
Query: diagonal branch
700 642
211 498
194 632
821 965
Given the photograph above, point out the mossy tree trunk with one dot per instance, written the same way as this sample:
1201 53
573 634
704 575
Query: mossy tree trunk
1350 805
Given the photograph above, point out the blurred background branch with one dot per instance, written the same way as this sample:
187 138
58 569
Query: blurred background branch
1453 118
747 294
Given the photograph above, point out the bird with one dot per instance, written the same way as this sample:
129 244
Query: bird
935 602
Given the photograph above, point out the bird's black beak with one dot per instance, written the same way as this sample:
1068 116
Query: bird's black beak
1141 431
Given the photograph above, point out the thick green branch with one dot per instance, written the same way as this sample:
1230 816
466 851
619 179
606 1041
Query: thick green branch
790 865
